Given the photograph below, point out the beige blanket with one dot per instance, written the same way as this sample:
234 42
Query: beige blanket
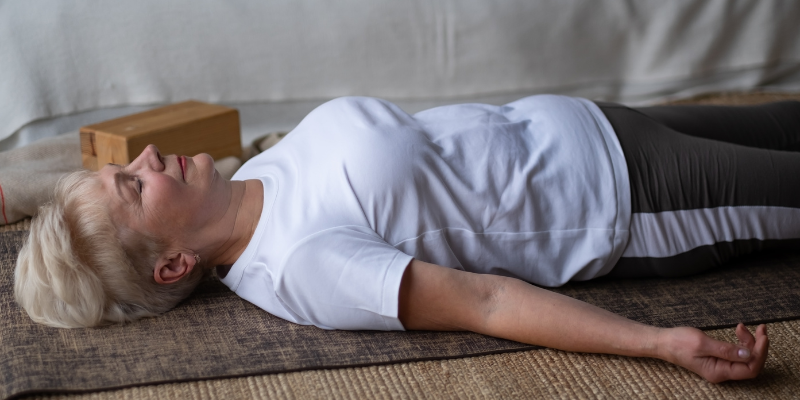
29 174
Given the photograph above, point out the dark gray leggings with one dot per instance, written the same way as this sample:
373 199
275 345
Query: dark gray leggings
708 183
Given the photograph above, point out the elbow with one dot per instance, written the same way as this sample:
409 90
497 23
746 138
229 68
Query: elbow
490 302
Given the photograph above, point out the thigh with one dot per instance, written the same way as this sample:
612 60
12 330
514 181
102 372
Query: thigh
773 126
697 202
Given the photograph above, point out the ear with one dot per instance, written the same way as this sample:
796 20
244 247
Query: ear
171 269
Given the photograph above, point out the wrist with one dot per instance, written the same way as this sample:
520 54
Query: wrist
644 341
654 343
664 345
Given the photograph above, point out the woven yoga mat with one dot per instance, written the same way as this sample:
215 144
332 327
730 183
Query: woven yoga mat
216 334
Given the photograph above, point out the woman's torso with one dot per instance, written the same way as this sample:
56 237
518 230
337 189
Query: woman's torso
536 189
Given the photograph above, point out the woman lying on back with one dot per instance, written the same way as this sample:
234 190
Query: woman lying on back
365 217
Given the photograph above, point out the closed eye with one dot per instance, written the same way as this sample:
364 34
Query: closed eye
139 182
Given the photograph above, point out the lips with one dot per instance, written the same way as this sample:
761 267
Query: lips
182 163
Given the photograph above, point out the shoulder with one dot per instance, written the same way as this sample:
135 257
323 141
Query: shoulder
333 243
356 279
330 252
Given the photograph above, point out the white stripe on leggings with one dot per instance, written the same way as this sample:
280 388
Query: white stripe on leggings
669 233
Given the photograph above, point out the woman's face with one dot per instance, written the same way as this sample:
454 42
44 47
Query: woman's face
173 198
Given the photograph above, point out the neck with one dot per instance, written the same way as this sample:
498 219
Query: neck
247 201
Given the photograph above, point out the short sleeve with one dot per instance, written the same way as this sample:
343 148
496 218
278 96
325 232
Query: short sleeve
343 278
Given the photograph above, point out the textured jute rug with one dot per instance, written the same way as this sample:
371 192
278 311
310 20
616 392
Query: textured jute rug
216 334
537 373
530 374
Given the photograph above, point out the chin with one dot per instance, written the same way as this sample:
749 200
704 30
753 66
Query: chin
198 168
203 161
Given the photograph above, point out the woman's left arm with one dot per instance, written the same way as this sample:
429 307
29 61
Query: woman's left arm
433 297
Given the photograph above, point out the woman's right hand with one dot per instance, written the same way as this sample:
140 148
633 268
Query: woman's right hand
712 359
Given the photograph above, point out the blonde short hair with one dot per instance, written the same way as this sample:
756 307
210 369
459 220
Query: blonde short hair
77 269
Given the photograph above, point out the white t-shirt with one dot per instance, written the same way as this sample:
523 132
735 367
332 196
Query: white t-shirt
536 189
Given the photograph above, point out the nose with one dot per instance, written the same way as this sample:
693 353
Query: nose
150 158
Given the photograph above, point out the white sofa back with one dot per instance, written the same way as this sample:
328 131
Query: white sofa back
59 58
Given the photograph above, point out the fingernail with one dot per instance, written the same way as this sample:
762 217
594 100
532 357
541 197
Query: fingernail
744 353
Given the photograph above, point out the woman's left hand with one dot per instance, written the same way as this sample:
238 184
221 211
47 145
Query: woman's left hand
433 297
715 360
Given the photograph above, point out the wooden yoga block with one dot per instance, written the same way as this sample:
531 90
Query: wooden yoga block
186 128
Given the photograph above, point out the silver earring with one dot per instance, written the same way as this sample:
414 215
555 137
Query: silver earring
197 258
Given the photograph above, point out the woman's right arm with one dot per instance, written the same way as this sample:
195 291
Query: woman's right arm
433 297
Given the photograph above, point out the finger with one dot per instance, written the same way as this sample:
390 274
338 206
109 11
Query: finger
746 339
760 350
751 368
726 351
761 330
761 347
746 369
